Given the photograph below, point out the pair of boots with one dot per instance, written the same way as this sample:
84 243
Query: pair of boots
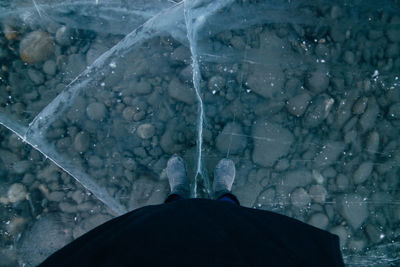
224 175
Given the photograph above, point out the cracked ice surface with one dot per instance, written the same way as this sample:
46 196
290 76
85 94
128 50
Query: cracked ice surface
302 95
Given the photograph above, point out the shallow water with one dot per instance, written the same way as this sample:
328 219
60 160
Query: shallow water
302 95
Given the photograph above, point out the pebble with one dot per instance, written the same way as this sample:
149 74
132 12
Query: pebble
129 164
22 166
36 47
28 178
317 81
36 76
319 220
76 65
3 53
374 34
181 92
393 50
81 142
292 179
300 198
167 142
142 88
16 226
64 36
374 233
367 120
338 33
128 113
394 111
95 161
318 193
95 51
139 116
271 141
55 196
363 172
353 209
50 67
360 105
231 139
349 57
318 111
298 104
341 232
16 192
96 111
329 153
267 197
216 83
10 32
78 196
67 207
336 12
146 131
266 82
140 152
181 53
393 33
86 206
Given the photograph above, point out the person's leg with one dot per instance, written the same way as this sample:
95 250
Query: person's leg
224 175
178 180
172 198
231 198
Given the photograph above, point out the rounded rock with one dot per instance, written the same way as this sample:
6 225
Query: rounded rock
10 32
341 232
363 172
96 111
349 57
128 113
22 166
318 193
16 192
353 208
64 36
36 47
373 142
231 139
143 88
300 198
36 76
146 131
50 67
319 220
360 105
317 81
297 105
394 111
216 83
81 142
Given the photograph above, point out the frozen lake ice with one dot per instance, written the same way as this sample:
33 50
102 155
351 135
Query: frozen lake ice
95 96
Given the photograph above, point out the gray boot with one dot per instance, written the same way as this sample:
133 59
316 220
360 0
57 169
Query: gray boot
177 177
224 175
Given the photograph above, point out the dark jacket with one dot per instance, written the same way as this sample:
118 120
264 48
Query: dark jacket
201 232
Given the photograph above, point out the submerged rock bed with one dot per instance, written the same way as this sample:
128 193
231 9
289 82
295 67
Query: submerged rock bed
309 113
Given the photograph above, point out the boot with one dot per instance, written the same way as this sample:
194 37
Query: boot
177 177
224 175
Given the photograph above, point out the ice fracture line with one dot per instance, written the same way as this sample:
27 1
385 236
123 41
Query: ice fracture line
191 32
